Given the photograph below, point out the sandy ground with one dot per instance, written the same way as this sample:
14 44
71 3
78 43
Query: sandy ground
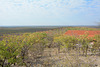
51 58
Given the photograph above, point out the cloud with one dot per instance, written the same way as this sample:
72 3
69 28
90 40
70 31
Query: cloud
50 6
48 9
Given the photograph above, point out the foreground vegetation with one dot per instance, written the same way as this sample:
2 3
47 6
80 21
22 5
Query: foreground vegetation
29 49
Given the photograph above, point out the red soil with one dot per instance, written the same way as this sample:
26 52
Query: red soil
82 32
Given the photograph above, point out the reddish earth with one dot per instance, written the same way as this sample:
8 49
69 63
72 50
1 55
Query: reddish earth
82 32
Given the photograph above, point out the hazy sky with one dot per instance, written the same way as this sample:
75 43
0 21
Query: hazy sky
49 12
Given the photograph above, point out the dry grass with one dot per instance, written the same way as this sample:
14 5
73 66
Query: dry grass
51 58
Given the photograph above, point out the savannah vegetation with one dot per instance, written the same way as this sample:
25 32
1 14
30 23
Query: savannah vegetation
48 47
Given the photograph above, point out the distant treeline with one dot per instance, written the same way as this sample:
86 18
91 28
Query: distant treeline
13 30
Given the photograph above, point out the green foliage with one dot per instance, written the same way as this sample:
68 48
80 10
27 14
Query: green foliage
14 48
66 41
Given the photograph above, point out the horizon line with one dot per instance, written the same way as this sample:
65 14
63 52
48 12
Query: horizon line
43 25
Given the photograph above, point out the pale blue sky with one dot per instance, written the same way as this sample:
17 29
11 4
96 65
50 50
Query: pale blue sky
49 12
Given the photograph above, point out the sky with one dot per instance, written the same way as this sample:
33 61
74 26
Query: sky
49 12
